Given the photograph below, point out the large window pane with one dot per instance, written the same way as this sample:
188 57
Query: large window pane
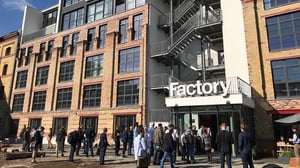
128 92
129 60
64 98
94 66
92 96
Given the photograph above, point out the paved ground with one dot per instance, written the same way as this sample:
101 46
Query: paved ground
51 161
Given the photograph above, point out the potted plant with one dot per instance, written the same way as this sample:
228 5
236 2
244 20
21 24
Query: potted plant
285 158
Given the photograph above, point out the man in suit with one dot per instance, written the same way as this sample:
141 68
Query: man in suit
224 141
168 147
245 146
89 140
103 145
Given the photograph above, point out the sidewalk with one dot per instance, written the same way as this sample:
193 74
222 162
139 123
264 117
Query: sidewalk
118 161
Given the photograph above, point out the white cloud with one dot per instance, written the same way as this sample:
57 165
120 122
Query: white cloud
15 4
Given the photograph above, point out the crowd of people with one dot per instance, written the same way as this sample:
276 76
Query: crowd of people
156 143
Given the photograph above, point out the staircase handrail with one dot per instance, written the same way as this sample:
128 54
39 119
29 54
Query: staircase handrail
178 12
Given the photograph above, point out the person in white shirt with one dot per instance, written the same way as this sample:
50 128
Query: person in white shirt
140 148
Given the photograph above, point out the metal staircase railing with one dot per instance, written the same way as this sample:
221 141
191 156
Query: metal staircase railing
185 33
184 11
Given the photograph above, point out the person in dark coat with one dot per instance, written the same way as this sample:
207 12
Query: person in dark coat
245 146
117 141
224 141
130 139
26 137
60 141
103 143
73 143
80 139
89 140
125 140
168 147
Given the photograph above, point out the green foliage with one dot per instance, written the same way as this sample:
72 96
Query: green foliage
288 153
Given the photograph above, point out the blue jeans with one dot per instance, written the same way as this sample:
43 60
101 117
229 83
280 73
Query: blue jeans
246 157
190 152
72 151
129 143
228 159
166 154
88 144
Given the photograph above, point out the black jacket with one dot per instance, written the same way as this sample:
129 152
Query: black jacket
224 141
169 143
245 141
103 143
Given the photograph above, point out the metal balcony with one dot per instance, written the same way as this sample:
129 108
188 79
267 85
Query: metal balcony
196 26
161 81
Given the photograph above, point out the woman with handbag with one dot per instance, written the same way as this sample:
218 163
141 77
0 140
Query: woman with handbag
140 150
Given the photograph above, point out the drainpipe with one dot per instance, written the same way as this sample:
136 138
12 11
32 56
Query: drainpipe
171 36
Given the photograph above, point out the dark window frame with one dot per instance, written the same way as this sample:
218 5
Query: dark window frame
21 79
66 71
42 76
59 123
4 70
73 19
92 96
94 66
64 99
28 57
41 52
65 44
18 103
137 27
7 51
128 92
123 26
93 11
50 50
102 36
129 60
39 100
268 4
75 39
22 56
90 39
49 18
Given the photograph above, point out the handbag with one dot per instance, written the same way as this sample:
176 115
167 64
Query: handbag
143 161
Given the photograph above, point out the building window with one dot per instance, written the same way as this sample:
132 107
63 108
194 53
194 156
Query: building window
49 18
102 36
286 77
94 66
128 92
90 39
129 60
21 79
130 4
4 70
42 76
66 71
64 46
35 122
18 103
22 56
39 100
59 123
41 52
92 96
64 98
2 93
284 31
139 3
29 52
123 31
7 51
124 121
95 11
73 19
137 27
50 50
108 8
89 121
70 2
274 3
75 38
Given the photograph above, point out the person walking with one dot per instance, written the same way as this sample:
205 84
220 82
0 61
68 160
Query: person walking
103 143
158 143
130 139
245 146
125 140
60 141
37 137
80 139
296 140
207 143
89 140
73 138
183 146
224 141
168 147
49 138
140 146
26 139
191 140
151 133
117 141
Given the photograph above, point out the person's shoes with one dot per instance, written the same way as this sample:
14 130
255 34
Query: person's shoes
117 154
124 156
62 155
192 162
101 163
71 160
188 162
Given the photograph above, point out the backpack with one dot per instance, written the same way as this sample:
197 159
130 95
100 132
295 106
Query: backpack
72 137
189 138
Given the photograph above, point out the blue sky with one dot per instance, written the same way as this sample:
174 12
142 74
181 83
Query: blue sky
11 12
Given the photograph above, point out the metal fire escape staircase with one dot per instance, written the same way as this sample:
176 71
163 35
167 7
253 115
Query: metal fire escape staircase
189 23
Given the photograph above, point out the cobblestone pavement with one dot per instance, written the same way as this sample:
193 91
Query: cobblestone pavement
51 161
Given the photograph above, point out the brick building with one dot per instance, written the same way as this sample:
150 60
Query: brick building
109 63
8 49
273 40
